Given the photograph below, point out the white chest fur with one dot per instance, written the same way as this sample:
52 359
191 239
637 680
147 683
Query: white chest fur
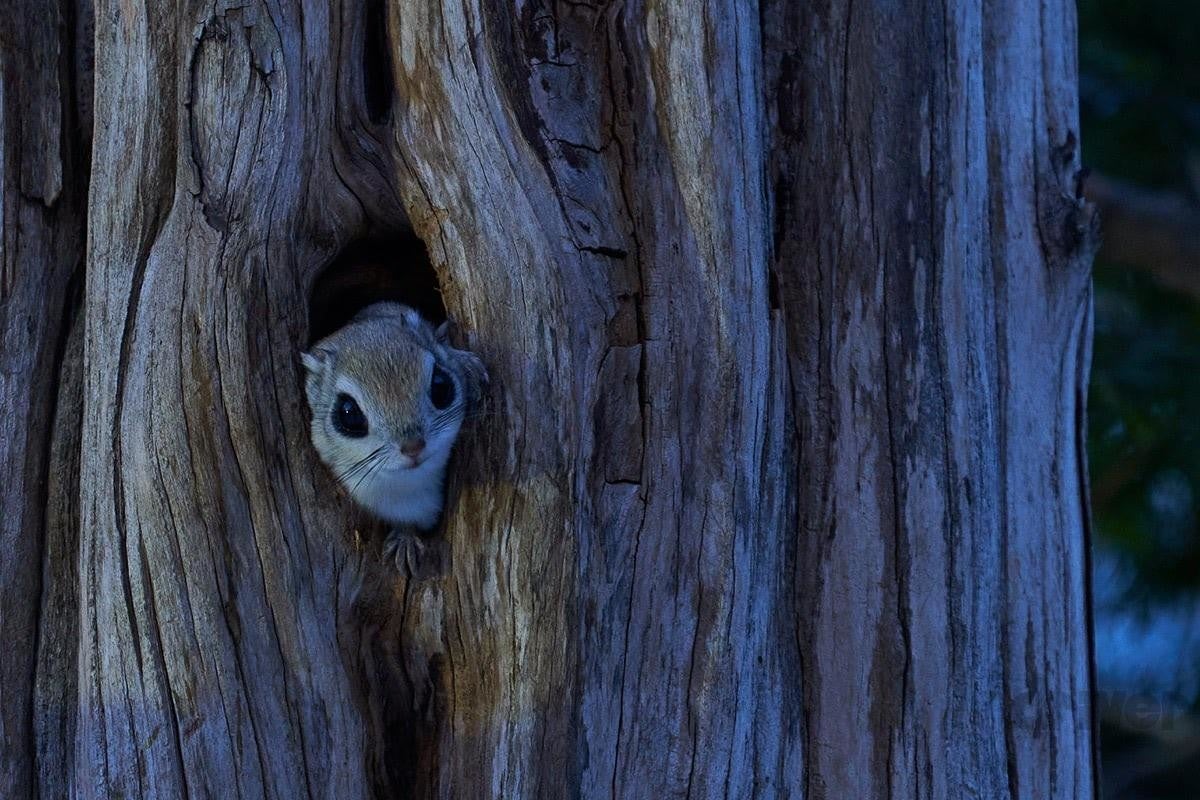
407 496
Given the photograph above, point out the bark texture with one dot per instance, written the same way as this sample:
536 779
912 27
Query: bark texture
44 136
780 491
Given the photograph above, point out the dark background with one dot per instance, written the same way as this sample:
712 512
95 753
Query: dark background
1140 97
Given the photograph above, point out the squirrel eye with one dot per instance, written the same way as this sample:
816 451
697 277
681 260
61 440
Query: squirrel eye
348 418
441 389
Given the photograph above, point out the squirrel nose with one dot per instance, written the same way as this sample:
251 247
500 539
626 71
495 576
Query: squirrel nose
412 447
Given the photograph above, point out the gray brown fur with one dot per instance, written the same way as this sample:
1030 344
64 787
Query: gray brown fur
383 359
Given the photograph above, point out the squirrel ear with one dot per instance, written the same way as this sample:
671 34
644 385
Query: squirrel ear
315 361
442 334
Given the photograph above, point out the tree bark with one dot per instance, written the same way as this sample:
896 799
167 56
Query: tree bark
45 130
780 490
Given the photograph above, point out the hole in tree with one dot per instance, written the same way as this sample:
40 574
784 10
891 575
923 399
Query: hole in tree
393 267
377 62
407 706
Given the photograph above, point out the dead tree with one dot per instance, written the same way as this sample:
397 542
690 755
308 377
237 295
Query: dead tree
780 491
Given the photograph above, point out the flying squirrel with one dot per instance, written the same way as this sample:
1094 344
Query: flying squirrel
388 396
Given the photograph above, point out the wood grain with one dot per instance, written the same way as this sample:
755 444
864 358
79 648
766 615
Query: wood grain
780 490
43 187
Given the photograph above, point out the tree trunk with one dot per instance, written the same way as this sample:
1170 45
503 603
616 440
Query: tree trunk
45 122
780 490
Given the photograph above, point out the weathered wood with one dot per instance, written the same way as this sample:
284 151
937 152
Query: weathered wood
780 488
615 619
43 184
934 263
214 555
55 698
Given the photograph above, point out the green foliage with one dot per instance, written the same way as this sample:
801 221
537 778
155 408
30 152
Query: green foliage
1144 420
1140 103
1140 88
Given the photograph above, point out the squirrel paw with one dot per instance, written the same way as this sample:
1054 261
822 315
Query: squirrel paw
395 548
416 556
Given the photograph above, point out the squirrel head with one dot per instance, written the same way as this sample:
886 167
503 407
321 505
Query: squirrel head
388 396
